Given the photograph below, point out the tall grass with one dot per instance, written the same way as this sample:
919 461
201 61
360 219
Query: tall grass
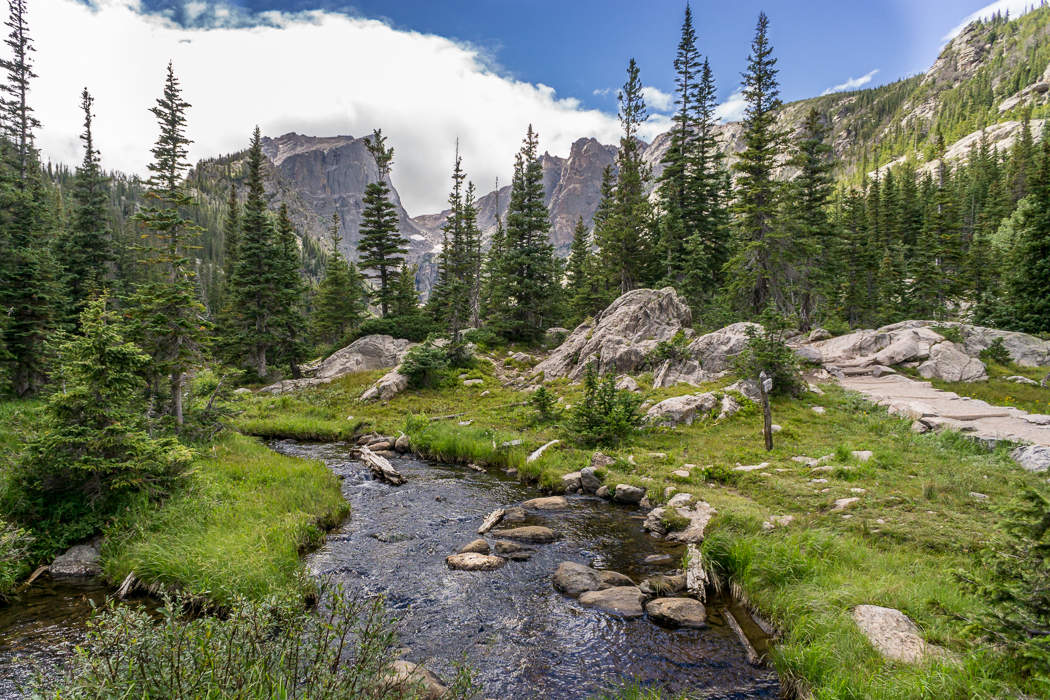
236 530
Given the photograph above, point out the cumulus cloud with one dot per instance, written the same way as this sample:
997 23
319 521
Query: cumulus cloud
317 73
732 110
1016 8
852 83
657 100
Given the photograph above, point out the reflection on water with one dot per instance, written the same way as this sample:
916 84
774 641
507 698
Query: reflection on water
524 638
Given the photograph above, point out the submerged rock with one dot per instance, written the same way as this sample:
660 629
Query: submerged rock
678 612
613 579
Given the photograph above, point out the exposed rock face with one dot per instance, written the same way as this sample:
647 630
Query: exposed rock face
893 634
1024 349
80 560
681 409
623 600
363 355
678 612
716 351
572 579
622 336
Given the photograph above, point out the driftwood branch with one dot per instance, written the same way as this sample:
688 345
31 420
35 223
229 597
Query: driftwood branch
381 468
490 522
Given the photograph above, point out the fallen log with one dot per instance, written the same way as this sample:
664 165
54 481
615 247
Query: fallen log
381 468
749 651
125 588
490 522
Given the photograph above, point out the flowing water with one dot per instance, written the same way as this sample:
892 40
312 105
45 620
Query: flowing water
524 639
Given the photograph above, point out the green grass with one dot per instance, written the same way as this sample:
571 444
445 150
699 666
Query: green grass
999 392
899 545
237 529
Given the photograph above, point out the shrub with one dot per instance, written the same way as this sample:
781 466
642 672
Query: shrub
674 349
416 327
14 551
484 338
272 649
952 333
1015 580
672 521
543 401
997 352
425 365
605 415
767 351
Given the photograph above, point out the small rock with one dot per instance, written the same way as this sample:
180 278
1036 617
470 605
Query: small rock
1017 379
657 557
783 520
625 493
549 503
589 481
572 482
475 547
465 422
843 503
644 503
572 579
472 561
657 455
681 499
624 600
242 391
402 444
919 428
473 382
818 481
613 579
627 383
819 334
514 515
862 455
819 409
752 468
603 492
664 585
767 526
533 534
523 555
775 428
978 496
680 473
678 612
506 547
669 491
601 461
858 491
79 560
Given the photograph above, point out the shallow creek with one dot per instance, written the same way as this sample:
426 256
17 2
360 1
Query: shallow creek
524 638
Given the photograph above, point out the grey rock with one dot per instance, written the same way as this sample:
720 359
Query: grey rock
672 372
681 409
819 334
625 493
589 481
601 461
78 561
514 515
678 612
893 634
730 407
572 579
699 515
949 363
613 579
603 492
1033 458
664 585
242 391
747 388
1018 379
810 355
406 676
625 601
475 547
388 386
402 444
572 482
472 561
549 503
627 383
532 534
506 547
363 355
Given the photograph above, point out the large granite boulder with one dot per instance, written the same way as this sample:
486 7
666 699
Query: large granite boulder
950 363
621 337
681 409
363 355
1034 458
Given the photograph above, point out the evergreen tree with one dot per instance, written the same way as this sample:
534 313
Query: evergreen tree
404 298
231 232
757 269
30 291
937 258
452 298
172 324
530 272
340 304
259 276
86 251
624 239
578 274
290 296
381 247
1029 286
493 290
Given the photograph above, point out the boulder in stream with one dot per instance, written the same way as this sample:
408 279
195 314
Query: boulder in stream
625 493
405 675
678 612
551 503
623 600
614 579
572 579
471 561
476 547
533 534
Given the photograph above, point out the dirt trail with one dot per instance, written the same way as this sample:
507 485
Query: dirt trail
937 408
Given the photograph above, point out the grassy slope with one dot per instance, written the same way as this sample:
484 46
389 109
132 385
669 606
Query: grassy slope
915 523
236 530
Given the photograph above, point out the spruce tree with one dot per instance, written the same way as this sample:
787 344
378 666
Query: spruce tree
493 290
577 269
259 273
530 273
404 297
1029 283
30 291
624 240
290 296
756 271
172 325
340 304
231 232
451 300
381 247
86 251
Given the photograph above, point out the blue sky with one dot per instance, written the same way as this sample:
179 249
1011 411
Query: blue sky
432 73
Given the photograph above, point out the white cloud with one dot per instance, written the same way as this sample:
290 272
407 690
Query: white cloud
852 83
657 99
316 73
732 110
602 92
1016 8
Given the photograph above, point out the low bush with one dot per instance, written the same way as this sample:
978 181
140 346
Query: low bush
425 366
952 333
767 351
605 415
484 338
544 400
14 554
257 651
996 352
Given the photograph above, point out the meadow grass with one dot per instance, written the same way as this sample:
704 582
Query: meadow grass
999 392
915 524
238 527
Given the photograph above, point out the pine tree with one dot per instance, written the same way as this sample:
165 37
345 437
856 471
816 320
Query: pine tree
404 297
86 251
1029 286
577 282
172 324
624 239
30 291
381 246
290 296
451 299
530 272
493 290
231 232
756 270
937 258
340 304
257 285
